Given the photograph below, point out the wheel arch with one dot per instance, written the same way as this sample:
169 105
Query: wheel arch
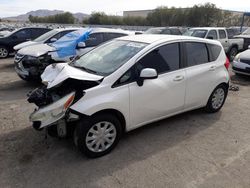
116 113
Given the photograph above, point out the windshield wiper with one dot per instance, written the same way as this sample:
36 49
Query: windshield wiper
88 70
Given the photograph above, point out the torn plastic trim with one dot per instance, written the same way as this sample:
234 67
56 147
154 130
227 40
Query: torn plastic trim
50 114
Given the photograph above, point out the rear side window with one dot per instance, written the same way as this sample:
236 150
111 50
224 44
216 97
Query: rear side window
212 34
214 51
163 59
222 34
196 53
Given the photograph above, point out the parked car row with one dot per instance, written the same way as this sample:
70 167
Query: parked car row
98 83
31 60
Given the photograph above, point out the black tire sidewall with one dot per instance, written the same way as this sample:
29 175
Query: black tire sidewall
83 127
230 52
209 107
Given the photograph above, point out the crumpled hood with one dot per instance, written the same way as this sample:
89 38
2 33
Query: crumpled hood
57 73
24 44
36 50
245 54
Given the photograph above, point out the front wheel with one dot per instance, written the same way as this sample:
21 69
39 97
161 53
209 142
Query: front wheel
216 99
98 135
232 53
4 52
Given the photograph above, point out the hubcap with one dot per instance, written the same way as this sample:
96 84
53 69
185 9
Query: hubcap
3 52
101 136
218 98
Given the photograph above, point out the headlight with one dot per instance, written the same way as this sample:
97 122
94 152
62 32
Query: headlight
51 113
237 58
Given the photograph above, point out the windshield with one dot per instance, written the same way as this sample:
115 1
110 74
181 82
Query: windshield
108 57
247 32
188 33
198 33
154 31
12 32
46 36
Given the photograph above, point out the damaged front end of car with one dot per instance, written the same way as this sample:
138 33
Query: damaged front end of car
53 103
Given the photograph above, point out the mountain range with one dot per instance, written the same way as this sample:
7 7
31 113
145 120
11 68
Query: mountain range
42 13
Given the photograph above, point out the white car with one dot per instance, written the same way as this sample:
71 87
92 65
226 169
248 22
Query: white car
127 83
241 63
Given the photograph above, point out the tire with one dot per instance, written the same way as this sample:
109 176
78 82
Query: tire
217 99
4 52
94 127
52 131
232 53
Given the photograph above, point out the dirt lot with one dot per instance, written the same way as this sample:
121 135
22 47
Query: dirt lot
194 149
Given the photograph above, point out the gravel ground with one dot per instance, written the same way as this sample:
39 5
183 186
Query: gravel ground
194 149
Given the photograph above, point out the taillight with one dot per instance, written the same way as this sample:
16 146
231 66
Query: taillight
227 63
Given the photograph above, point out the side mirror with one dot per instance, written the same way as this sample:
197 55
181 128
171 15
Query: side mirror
53 40
81 45
146 73
210 37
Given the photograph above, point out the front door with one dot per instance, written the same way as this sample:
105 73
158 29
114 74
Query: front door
162 96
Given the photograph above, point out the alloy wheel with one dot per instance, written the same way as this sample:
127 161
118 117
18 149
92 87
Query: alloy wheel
218 98
3 52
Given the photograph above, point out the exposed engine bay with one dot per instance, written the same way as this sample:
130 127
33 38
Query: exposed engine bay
43 96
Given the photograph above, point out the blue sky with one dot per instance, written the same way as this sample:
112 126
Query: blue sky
115 7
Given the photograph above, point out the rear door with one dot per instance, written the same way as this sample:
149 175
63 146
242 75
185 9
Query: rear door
200 74
20 36
162 96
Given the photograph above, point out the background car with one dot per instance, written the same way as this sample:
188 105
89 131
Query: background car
31 61
226 37
164 30
10 40
241 63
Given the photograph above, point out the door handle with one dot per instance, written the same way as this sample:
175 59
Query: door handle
178 78
212 68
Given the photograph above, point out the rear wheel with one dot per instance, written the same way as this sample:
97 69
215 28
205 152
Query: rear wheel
4 52
232 53
216 99
98 135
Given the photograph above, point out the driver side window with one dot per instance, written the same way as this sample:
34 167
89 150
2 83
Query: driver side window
94 39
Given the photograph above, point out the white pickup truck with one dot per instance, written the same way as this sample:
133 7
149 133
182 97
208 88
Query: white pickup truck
230 44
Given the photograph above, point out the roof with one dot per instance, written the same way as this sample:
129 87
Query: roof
109 30
157 38
206 28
